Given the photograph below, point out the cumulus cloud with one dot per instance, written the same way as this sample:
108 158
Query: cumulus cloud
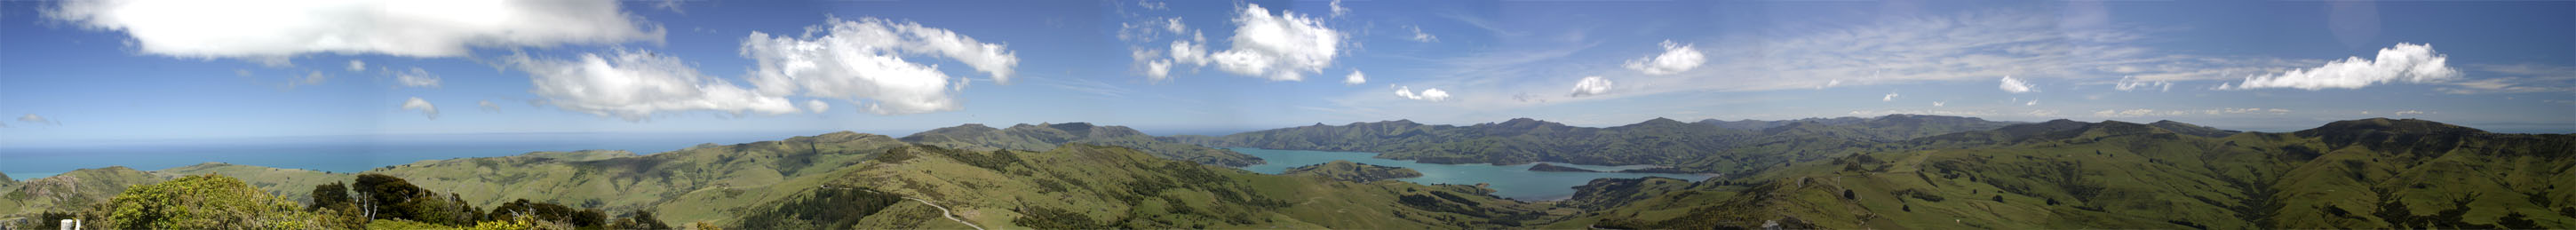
309 78
488 105
32 118
1593 85
417 78
356 65
1355 78
1676 58
423 105
862 60
1158 70
637 85
1890 97
818 106
274 30
2015 85
1281 47
1431 94
2405 62
2031 103
1940 103
1338 10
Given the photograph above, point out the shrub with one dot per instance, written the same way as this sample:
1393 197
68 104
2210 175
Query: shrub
206 202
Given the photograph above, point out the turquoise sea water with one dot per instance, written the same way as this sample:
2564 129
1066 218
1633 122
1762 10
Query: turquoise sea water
1510 181
354 153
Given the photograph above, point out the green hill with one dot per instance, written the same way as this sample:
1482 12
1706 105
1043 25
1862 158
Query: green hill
1092 187
1042 137
1708 146
1887 172
2374 173
1353 172
72 190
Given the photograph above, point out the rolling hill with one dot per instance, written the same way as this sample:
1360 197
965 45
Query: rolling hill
1041 137
2375 173
1707 146
1842 173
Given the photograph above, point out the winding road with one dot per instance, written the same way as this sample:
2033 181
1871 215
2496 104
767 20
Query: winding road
943 211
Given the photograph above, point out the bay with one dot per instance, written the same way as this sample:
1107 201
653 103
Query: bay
1509 181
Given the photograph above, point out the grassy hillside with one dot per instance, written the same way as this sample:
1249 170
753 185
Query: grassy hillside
1353 172
620 182
1709 146
1041 137
1090 187
2064 174
290 184
72 190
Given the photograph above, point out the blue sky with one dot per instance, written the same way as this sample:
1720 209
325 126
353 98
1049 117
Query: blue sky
112 70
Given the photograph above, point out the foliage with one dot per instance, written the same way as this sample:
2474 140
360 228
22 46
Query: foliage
205 202
640 220
823 208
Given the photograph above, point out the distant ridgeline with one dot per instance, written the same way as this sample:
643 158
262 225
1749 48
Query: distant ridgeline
1901 171
1708 146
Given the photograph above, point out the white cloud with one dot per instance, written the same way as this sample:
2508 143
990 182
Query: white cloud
1338 10
2223 111
1174 25
2031 103
1432 94
1831 83
2216 111
2134 113
271 31
2409 112
2518 78
1890 97
1150 5
32 118
861 61
1355 78
1593 85
1939 103
2015 85
2405 62
2133 83
417 78
356 65
1419 36
423 105
1158 69
817 106
1281 48
488 105
309 78
635 86
1676 58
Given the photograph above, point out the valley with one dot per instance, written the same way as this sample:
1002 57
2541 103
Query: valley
1899 171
